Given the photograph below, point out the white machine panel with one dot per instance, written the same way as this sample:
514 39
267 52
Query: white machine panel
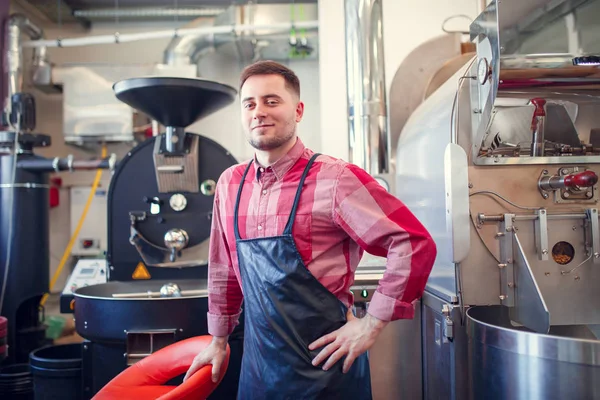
86 273
92 237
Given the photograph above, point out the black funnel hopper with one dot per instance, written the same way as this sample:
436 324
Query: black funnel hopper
174 102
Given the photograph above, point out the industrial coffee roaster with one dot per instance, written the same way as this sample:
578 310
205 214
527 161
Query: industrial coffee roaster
159 219
501 164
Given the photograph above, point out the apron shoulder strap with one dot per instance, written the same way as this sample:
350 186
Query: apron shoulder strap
237 203
290 223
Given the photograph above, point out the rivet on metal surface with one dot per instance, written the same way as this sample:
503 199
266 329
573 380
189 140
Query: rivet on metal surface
577 278
510 284
503 297
499 234
545 195
501 265
509 229
547 273
470 186
596 255
545 251
545 172
574 228
509 261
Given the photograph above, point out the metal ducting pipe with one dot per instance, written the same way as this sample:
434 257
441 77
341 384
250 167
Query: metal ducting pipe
18 24
369 140
148 13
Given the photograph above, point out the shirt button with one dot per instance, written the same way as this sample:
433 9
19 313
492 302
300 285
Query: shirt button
264 192
260 227
261 169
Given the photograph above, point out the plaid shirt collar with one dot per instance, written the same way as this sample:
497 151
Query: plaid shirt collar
284 164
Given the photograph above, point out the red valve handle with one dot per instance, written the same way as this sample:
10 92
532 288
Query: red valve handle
539 107
582 179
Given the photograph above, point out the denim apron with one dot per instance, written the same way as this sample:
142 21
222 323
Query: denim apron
286 308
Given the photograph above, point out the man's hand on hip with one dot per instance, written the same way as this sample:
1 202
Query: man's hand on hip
214 354
351 340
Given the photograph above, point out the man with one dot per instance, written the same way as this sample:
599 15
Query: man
289 229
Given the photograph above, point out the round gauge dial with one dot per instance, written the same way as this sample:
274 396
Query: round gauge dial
178 202
484 70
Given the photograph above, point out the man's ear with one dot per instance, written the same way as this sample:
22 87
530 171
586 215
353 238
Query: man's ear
299 111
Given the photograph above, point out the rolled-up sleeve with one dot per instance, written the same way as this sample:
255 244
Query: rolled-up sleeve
383 226
224 292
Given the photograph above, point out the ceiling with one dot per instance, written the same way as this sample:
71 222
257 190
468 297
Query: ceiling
87 12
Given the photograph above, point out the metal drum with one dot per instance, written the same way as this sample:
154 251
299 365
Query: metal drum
111 311
511 362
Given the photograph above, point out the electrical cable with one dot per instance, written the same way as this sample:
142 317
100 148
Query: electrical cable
505 199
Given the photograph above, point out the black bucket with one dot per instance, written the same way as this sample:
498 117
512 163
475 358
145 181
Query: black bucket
16 382
57 372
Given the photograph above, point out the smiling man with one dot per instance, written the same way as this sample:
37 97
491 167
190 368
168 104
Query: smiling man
289 229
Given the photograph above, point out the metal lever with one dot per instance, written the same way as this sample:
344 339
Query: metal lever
592 214
537 127
581 179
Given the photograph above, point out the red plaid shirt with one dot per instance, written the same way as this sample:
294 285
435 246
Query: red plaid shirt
343 211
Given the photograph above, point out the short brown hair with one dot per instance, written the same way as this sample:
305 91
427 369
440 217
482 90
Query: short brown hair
269 67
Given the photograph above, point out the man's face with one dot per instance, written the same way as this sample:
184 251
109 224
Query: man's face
270 111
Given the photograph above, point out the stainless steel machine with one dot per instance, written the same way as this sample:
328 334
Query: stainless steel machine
159 218
501 164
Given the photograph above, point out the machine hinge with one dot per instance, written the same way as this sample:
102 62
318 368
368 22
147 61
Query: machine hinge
448 327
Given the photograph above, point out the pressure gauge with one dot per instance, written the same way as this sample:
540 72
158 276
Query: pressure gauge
178 202
484 71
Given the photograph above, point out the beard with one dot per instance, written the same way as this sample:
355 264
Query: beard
266 143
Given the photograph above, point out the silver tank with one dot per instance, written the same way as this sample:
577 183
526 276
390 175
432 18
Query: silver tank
508 362
501 164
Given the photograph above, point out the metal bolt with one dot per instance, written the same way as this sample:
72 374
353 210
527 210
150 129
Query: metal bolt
566 195
574 228
545 172
509 229
499 234
502 297
501 265
542 211
509 260
545 251
564 171
510 284
589 194
577 278
547 273
545 195
596 255
470 186
85 346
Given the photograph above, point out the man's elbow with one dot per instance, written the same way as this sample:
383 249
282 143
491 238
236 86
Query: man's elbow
428 254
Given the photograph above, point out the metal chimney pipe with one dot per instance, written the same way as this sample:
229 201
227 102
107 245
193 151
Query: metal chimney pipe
369 140
18 24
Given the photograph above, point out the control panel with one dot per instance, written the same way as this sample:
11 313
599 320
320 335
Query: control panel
87 272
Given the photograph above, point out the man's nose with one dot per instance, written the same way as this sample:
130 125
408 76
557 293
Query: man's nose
259 112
